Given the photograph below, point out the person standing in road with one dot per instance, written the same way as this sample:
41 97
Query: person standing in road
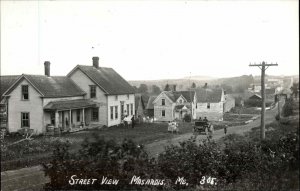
132 121
225 129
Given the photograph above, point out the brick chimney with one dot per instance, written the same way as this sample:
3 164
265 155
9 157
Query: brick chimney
96 62
47 68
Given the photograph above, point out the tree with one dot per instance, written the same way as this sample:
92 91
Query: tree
167 88
143 88
135 88
295 89
155 89
193 85
240 89
227 88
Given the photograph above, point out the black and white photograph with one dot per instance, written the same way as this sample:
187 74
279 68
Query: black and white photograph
149 95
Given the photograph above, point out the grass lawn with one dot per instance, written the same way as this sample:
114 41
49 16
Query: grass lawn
143 133
246 110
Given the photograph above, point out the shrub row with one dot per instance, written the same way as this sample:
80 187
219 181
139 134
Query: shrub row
250 165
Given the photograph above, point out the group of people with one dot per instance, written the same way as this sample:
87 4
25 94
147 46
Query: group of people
173 127
205 119
127 120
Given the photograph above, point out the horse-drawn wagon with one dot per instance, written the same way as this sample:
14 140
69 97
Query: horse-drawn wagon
203 127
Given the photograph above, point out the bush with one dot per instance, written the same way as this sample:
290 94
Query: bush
257 103
187 118
287 109
239 164
97 158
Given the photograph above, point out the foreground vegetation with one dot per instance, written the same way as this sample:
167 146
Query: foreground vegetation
234 163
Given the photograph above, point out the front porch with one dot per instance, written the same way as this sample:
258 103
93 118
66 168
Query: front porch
181 110
71 116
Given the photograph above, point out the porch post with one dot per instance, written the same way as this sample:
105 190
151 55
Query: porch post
70 119
83 117
56 119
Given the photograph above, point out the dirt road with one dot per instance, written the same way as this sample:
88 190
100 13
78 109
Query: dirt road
155 148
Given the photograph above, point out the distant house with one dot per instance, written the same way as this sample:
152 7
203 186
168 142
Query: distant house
256 87
150 106
170 105
255 97
210 104
87 96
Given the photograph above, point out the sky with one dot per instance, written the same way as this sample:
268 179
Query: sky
148 40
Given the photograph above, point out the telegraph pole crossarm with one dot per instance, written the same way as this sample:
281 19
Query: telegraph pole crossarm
263 67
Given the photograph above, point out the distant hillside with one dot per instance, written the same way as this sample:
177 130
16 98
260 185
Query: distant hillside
231 84
200 78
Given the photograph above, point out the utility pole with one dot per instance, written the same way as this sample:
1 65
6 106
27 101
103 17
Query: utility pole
263 67
278 101
190 89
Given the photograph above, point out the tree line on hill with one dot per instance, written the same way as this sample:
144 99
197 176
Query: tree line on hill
230 85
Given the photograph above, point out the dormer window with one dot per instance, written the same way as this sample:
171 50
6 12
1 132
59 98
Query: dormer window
163 102
92 91
25 94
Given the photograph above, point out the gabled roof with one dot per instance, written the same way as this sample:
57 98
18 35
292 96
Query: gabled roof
6 82
255 96
107 79
54 86
209 95
150 104
188 95
174 95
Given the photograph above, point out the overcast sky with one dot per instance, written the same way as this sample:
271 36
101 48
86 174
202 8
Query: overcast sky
150 39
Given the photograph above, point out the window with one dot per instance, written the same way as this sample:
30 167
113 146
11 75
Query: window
116 112
131 109
180 101
122 109
127 96
93 91
95 114
77 115
163 113
116 98
25 120
208 105
25 95
163 102
111 112
127 109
